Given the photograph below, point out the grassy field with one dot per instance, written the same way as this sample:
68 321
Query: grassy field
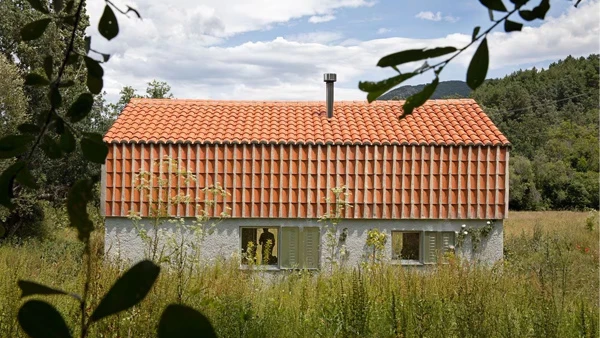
547 286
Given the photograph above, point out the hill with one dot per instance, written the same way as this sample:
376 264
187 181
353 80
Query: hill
551 118
446 89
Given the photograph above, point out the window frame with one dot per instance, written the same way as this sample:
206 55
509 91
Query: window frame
240 246
418 261
422 238
279 228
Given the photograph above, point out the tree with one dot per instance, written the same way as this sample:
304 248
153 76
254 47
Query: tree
158 90
13 103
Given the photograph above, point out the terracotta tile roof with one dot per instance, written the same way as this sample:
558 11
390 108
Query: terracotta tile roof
438 122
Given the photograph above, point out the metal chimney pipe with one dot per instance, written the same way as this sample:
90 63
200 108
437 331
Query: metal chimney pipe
329 79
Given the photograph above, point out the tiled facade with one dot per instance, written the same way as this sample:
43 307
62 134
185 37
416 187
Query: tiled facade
280 159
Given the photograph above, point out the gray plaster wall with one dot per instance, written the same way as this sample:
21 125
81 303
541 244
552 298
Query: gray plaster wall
122 239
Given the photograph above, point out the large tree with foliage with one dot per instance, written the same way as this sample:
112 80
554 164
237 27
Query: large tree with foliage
551 118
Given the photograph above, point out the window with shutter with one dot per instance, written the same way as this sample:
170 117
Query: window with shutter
431 247
311 247
290 247
437 244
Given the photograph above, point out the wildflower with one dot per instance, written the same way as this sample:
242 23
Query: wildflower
463 226
587 250
488 222
465 233
578 247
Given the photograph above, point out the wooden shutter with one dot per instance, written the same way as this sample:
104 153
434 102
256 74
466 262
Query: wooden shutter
288 251
396 245
446 240
311 247
430 247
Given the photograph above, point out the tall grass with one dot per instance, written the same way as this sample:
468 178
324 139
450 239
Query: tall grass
546 287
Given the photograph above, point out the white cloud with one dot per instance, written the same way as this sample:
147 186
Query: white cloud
292 67
437 16
315 37
451 19
321 18
383 30
429 16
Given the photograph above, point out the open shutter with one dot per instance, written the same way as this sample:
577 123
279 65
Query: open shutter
446 240
430 249
288 252
311 247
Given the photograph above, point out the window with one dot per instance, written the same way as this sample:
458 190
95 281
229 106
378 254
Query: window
406 246
421 247
285 247
260 246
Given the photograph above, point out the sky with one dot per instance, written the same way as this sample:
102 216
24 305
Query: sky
279 49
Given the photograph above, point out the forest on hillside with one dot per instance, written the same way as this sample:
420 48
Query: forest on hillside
551 118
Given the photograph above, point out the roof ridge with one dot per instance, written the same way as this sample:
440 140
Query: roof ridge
292 102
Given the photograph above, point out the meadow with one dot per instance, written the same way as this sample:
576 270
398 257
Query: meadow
547 286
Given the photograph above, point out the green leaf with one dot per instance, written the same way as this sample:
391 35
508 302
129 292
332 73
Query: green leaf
93 148
33 79
80 194
7 180
50 147
519 3
411 55
511 26
69 6
108 25
419 98
13 145
67 141
539 12
478 67
39 6
34 30
32 288
73 58
58 5
59 125
29 128
65 84
94 75
25 178
475 33
81 107
376 89
495 5
48 65
88 43
41 320
182 321
55 97
94 84
128 290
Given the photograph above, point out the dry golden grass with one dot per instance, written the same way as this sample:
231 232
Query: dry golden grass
519 222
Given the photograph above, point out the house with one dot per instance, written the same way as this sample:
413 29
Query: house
423 180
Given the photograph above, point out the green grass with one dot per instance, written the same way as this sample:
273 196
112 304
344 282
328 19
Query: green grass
546 287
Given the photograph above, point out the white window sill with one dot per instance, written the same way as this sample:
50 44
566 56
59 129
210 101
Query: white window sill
407 263
260 268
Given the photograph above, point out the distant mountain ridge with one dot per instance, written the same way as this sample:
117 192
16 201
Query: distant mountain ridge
445 89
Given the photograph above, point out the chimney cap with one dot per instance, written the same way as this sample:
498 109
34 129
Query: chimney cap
329 77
